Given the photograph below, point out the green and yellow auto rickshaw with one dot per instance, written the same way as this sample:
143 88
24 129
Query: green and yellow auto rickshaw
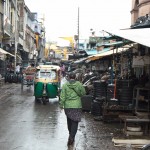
46 82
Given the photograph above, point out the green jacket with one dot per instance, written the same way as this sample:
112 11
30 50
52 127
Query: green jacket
70 96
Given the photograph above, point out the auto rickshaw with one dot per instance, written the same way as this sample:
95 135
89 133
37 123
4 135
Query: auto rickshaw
46 82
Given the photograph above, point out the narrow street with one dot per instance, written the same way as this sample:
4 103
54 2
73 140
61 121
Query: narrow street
26 125
104 45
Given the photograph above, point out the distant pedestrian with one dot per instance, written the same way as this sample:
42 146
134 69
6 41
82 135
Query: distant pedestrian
63 81
70 101
18 68
62 68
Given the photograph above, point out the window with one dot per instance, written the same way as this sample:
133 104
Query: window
136 3
50 74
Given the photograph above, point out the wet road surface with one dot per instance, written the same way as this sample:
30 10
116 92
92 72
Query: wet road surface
26 125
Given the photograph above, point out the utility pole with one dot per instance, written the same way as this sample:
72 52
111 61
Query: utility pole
78 27
16 43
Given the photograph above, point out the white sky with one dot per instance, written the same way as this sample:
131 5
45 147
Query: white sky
61 16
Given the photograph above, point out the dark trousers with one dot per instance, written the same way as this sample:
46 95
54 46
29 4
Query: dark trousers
72 127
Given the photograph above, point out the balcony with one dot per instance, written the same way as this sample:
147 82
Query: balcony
13 2
37 30
42 29
20 39
8 29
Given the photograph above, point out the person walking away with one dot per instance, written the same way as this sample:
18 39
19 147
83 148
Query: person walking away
64 68
70 101
63 81
30 69
18 69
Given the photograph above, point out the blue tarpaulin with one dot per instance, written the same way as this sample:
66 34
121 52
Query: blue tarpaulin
94 51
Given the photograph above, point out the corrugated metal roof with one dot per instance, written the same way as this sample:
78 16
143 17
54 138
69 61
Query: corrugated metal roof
91 51
141 36
105 53
5 52
118 43
94 51
80 60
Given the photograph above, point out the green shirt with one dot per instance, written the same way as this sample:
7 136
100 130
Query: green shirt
71 93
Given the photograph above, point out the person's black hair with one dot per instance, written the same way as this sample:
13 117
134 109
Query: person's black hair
32 65
72 75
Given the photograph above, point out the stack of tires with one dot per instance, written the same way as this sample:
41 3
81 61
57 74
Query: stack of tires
100 89
96 108
6 78
13 78
100 93
19 78
86 102
126 93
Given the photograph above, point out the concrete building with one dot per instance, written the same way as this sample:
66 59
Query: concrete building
9 19
22 34
32 32
39 30
29 42
139 8
1 21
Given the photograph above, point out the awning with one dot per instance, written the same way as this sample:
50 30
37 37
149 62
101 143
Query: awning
5 52
19 57
141 36
103 53
80 61
95 52
115 44
91 51
106 53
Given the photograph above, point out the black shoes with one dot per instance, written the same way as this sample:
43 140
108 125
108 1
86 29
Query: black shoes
70 141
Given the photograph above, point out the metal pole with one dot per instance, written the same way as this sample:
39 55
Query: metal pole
78 27
15 37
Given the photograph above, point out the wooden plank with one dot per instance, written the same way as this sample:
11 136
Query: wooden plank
144 115
131 141
137 120
133 146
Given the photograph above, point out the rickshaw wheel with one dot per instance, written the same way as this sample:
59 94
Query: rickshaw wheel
37 100
44 100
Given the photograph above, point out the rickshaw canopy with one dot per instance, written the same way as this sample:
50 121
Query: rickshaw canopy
48 67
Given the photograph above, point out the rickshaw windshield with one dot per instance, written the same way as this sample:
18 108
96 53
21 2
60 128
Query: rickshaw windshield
49 74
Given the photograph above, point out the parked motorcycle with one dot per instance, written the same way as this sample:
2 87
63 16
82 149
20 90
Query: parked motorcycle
88 82
146 147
